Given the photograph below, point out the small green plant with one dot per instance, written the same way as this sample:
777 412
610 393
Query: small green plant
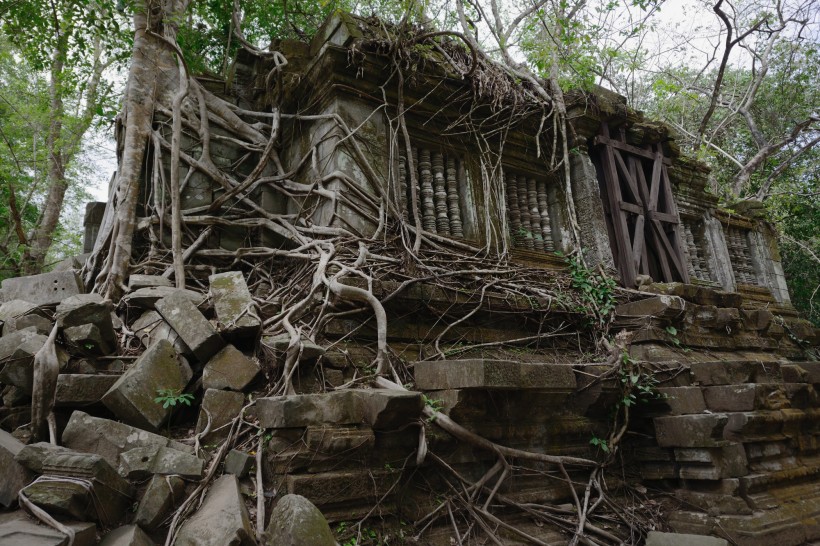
433 404
673 332
600 443
597 290
172 397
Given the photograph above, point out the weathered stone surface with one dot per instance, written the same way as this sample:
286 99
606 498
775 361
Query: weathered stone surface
146 298
45 289
159 498
342 486
132 397
280 343
667 307
235 310
300 410
127 535
82 389
110 438
332 440
137 282
222 519
712 463
493 374
92 491
17 352
238 463
76 313
388 410
40 323
12 312
229 369
32 455
223 407
150 327
191 325
17 529
295 521
683 400
14 475
690 430
656 538
141 462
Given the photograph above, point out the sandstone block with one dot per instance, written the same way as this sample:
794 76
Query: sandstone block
15 475
132 397
17 352
17 529
229 369
493 374
127 535
136 282
348 486
103 497
141 462
683 400
659 306
194 329
223 407
656 538
82 389
150 327
295 521
280 343
77 313
301 410
146 298
234 306
15 311
690 430
159 498
222 519
33 455
388 410
238 463
45 289
110 438
333 440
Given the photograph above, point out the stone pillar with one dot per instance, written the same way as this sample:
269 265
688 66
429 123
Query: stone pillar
719 261
93 219
590 211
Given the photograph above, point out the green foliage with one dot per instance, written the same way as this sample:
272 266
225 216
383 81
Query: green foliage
638 383
600 443
172 397
597 291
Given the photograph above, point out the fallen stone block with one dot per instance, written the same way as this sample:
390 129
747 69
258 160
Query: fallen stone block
344 486
656 538
127 535
15 475
82 389
81 486
223 407
238 463
132 397
146 298
33 455
338 440
295 521
137 282
86 323
235 310
281 342
690 430
110 438
17 529
301 410
142 462
222 519
390 410
19 314
45 289
161 495
17 352
229 369
150 327
191 325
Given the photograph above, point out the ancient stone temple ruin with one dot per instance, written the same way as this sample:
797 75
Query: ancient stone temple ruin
171 407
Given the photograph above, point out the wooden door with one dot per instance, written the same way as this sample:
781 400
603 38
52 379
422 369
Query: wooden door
643 222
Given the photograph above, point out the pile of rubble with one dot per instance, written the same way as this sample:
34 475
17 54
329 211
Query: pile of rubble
113 470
